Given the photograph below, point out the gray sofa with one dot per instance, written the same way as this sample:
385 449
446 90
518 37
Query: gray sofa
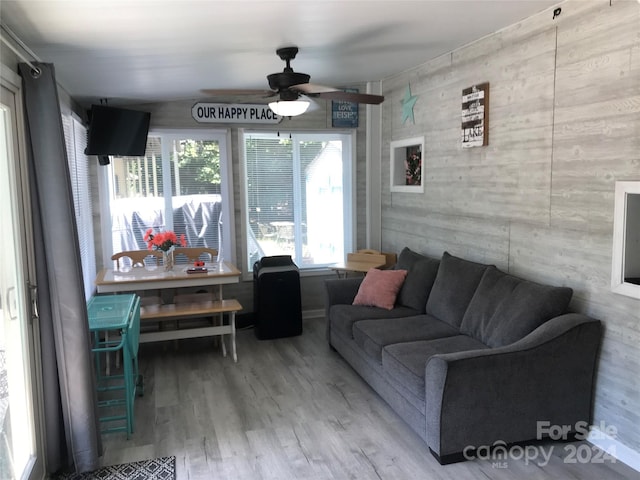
469 356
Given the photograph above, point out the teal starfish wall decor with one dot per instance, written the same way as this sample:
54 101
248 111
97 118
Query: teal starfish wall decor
408 102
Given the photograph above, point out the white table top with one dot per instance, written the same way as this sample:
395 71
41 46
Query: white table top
151 278
354 266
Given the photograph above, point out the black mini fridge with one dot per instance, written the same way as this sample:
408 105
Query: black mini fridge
276 298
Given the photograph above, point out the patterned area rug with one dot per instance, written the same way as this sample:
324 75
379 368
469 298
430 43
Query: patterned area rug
163 468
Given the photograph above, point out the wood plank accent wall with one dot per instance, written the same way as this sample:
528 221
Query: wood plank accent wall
538 201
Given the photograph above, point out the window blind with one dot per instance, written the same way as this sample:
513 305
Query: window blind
76 140
136 203
196 190
177 185
296 197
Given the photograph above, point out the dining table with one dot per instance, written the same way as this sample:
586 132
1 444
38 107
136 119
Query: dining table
180 276
129 279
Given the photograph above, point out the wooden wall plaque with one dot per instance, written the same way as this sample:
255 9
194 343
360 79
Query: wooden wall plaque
475 116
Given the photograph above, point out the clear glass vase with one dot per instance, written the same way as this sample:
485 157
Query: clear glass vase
167 260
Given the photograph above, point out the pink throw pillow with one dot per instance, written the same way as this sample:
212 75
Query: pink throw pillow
380 288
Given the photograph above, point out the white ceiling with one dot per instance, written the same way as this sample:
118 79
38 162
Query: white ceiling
138 51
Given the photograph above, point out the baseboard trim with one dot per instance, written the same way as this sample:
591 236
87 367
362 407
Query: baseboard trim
448 459
614 447
245 320
307 314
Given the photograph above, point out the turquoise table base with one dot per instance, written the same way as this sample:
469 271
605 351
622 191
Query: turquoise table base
114 321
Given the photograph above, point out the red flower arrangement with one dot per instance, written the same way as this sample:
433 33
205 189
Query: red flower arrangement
163 240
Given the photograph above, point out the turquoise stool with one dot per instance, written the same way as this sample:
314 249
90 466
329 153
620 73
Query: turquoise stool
114 321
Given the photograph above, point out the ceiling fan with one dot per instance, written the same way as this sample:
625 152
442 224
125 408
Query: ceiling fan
289 86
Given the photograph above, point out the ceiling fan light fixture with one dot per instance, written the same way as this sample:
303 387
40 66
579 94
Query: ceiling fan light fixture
289 108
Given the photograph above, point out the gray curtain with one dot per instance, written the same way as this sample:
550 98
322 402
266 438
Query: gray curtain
71 426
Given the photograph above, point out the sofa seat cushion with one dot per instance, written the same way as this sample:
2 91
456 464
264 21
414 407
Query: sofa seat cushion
455 284
404 363
505 308
343 316
373 335
421 273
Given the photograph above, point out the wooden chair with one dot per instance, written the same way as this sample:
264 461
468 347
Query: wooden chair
194 254
137 257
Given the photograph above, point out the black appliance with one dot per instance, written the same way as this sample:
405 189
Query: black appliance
276 298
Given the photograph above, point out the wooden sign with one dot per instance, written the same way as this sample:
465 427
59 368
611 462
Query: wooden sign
475 116
233 113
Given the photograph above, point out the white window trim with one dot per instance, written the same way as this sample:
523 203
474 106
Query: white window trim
349 220
621 222
246 276
223 136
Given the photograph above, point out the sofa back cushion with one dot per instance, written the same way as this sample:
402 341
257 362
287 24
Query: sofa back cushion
421 273
505 308
455 284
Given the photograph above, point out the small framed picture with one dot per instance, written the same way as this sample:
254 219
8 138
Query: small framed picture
407 165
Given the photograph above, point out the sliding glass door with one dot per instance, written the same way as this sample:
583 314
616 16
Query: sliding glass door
19 456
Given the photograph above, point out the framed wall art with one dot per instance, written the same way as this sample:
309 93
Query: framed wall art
475 116
407 165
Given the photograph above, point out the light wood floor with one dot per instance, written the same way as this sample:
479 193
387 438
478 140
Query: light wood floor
292 409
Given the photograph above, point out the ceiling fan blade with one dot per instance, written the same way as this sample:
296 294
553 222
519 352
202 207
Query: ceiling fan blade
312 88
238 92
332 93
352 97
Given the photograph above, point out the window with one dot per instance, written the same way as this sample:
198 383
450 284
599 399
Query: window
181 184
298 197
75 136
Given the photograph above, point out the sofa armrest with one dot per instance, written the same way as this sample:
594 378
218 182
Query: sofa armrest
480 397
339 291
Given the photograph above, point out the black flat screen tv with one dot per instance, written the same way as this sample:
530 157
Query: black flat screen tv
116 131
